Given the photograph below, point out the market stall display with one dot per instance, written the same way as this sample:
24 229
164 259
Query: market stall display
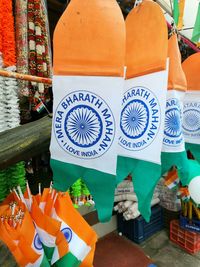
87 71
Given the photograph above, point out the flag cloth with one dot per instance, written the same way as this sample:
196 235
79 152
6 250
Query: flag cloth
40 106
191 108
49 233
28 231
176 11
172 180
22 232
88 72
143 104
196 30
173 150
79 235
14 249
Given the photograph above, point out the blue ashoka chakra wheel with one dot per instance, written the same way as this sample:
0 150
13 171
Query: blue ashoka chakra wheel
134 119
83 126
67 233
173 122
37 242
191 120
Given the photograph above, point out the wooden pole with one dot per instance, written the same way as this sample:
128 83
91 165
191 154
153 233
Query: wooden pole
25 77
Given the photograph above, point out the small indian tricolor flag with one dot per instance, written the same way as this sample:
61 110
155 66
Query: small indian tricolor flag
40 106
183 194
172 179
79 235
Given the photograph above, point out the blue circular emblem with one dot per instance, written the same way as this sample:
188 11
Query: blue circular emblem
140 118
173 136
84 125
67 233
191 120
134 119
173 122
37 242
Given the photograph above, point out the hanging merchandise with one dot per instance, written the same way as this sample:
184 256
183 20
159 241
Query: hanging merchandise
9 107
39 51
173 150
144 100
21 34
191 108
89 45
191 122
196 30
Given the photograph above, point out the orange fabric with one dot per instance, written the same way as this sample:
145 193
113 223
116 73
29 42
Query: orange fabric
43 221
62 244
14 249
146 42
8 35
1 14
176 78
44 196
24 247
66 211
191 67
171 177
89 39
88 261
10 198
27 228
49 203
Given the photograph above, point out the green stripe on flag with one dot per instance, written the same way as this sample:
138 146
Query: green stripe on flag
196 31
48 252
145 178
176 11
69 260
65 174
45 262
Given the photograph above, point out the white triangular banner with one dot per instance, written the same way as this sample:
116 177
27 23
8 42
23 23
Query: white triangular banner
191 117
173 140
85 114
142 117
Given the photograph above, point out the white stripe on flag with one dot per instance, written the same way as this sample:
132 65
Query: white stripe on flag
55 256
86 112
47 239
142 117
76 245
191 117
37 247
173 184
173 140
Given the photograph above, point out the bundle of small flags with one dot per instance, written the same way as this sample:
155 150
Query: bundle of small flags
45 229
183 194
172 180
